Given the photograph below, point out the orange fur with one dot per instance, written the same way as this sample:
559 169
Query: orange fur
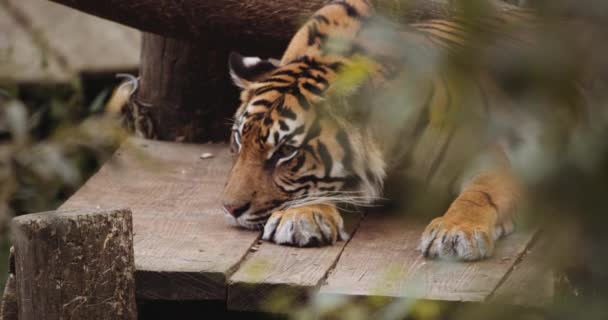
335 153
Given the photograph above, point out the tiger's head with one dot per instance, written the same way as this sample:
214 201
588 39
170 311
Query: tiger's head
289 149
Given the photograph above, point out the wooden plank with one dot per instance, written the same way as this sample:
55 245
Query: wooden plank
531 282
381 260
274 273
21 59
84 42
184 249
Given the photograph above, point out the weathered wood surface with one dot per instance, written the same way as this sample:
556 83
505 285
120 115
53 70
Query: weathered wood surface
184 249
47 42
381 260
75 264
274 271
8 304
21 58
531 282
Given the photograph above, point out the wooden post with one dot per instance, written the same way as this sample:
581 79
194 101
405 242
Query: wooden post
8 305
75 264
185 92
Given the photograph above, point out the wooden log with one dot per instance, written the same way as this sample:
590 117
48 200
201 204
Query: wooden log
259 19
75 265
191 19
8 305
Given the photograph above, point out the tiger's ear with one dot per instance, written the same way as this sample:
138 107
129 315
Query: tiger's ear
244 70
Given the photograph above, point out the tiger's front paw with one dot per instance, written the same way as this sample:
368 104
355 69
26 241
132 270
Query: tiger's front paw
306 226
453 238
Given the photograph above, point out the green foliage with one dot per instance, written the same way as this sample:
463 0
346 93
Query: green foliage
553 77
50 143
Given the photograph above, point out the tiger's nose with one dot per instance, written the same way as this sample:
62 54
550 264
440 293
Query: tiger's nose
236 210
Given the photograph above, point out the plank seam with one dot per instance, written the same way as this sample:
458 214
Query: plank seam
313 289
323 279
518 261
232 270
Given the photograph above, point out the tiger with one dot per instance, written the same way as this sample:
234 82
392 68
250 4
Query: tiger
301 145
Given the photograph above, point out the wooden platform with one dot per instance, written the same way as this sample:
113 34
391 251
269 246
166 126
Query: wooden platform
184 250
45 42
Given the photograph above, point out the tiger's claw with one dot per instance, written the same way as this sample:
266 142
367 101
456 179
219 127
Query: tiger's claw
452 239
307 226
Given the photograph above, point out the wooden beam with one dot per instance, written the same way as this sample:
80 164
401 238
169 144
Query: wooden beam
75 264
258 19
191 19
381 260
184 249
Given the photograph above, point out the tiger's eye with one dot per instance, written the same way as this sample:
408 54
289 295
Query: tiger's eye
285 151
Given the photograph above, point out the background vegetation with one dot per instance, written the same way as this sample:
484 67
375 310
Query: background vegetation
554 71
53 137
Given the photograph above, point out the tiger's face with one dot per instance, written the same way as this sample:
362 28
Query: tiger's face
287 151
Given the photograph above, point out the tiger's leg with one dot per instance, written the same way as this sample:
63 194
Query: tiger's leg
482 212
312 225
